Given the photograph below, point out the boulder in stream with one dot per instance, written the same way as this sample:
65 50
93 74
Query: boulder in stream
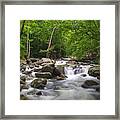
47 75
47 68
23 77
95 84
94 71
39 83
39 93
46 60
60 78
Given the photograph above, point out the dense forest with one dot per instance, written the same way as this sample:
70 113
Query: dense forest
79 39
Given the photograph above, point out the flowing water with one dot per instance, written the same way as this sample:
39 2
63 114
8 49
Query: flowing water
68 89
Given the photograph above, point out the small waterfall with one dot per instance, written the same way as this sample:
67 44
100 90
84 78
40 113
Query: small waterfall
77 70
69 71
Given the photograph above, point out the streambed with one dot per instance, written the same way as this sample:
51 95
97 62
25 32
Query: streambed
69 88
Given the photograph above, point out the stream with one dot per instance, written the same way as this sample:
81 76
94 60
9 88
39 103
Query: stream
67 89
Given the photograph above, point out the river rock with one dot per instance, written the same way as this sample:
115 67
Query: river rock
36 65
23 77
60 68
83 75
85 63
39 83
47 75
37 69
22 61
48 64
46 60
47 68
34 60
22 67
27 72
39 62
98 89
28 61
31 66
23 86
90 83
67 59
22 82
39 93
23 97
56 72
60 78
94 71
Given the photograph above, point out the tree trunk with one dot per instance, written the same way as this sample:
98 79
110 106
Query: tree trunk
51 38
21 31
27 44
50 41
28 49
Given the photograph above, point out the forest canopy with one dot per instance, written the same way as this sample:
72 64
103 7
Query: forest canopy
79 39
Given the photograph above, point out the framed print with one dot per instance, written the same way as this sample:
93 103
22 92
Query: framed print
60 59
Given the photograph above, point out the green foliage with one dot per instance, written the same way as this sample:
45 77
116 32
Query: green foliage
71 38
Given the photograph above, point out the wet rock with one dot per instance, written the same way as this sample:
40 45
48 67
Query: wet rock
22 82
23 97
23 67
28 61
39 83
23 86
90 84
31 66
37 69
67 59
83 75
34 60
48 64
46 60
72 62
56 72
94 71
43 75
36 65
98 89
23 77
39 62
27 72
47 68
60 78
29 78
60 68
39 93
85 63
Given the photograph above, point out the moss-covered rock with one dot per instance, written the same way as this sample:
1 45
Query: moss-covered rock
22 97
94 71
39 83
